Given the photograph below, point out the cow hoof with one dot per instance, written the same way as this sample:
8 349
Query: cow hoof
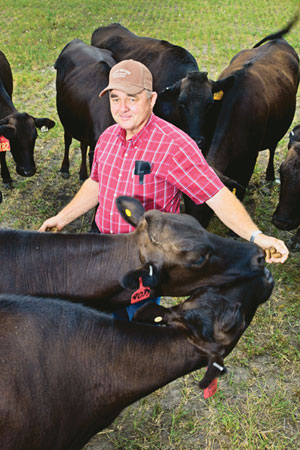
65 174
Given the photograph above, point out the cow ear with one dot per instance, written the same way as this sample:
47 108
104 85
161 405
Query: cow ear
148 273
130 209
47 123
222 85
215 369
7 131
170 91
150 313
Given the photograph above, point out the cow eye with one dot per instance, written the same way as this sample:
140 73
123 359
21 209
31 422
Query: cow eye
182 101
200 261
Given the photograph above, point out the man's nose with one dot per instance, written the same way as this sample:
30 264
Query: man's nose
124 106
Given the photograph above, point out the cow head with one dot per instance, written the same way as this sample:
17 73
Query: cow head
287 214
184 255
192 104
294 136
20 129
213 318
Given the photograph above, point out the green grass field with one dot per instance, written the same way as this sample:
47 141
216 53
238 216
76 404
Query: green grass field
257 403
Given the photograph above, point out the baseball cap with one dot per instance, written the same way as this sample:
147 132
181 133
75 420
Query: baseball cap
130 77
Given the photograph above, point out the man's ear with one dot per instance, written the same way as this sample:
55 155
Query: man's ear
149 274
130 209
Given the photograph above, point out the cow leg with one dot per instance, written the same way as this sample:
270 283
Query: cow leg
270 175
83 168
66 162
241 170
4 171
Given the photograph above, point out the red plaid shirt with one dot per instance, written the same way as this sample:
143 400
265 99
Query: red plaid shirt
177 165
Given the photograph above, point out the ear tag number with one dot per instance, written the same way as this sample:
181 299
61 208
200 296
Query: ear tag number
4 144
218 95
142 293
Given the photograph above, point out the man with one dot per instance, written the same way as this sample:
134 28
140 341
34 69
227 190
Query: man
172 162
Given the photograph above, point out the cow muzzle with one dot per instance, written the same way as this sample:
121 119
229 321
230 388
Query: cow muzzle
26 172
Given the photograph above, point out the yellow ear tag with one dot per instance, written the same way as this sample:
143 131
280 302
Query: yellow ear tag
234 191
128 212
218 95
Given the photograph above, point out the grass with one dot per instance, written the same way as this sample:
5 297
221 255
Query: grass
257 403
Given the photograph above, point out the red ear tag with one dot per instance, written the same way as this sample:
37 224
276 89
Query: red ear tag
211 389
4 144
141 293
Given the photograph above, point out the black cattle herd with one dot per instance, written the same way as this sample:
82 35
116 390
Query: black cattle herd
68 368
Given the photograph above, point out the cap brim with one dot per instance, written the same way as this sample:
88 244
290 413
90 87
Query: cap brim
128 88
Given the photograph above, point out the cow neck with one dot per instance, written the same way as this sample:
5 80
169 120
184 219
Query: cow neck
145 359
6 104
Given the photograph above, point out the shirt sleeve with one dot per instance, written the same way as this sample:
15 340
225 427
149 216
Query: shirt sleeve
190 173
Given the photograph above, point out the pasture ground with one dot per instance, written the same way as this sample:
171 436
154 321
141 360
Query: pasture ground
257 403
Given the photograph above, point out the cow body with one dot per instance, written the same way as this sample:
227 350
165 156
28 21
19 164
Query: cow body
287 214
67 371
88 267
256 109
169 65
81 73
18 128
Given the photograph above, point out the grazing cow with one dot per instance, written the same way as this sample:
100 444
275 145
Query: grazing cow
175 247
287 214
81 73
170 66
256 109
18 128
67 371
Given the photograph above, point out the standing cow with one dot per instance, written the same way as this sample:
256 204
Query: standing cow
81 73
169 65
287 214
256 107
18 128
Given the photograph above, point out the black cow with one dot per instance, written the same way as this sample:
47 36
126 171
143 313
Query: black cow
182 255
254 112
287 214
67 371
169 65
18 128
81 73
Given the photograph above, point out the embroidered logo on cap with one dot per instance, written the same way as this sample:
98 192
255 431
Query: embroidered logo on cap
120 73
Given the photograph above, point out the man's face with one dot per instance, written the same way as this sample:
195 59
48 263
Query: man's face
131 112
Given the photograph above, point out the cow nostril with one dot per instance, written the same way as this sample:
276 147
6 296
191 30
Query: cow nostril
259 260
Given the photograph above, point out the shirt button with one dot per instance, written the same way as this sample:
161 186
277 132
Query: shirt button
120 175
126 154
111 232
111 213
115 194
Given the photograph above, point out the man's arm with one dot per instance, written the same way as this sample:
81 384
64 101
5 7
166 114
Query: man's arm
233 214
85 199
